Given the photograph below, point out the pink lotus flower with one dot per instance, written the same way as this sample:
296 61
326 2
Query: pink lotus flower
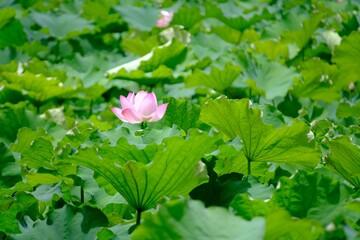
140 107
165 19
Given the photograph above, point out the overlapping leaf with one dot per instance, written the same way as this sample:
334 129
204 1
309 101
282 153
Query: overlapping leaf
191 220
80 224
261 142
271 78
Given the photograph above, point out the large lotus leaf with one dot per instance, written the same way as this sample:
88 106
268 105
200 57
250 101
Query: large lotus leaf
318 83
66 223
312 195
62 26
261 142
217 79
345 158
171 172
191 220
347 56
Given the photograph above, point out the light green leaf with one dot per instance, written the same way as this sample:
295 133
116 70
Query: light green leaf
228 34
187 16
346 57
182 112
64 25
142 18
77 135
318 83
217 79
345 158
261 142
281 225
171 172
40 154
66 223
37 87
346 110
271 78
248 208
275 51
6 14
191 220
41 178
25 137
238 19
302 36
139 46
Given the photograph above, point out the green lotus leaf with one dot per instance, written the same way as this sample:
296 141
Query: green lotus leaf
261 142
